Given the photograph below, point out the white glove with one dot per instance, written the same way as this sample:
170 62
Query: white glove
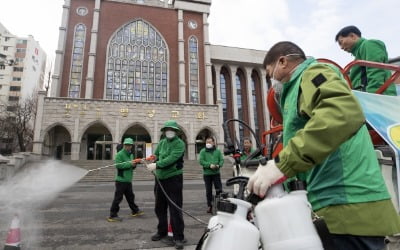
212 166
263 178
151 166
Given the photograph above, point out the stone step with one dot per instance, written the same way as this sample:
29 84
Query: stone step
192 171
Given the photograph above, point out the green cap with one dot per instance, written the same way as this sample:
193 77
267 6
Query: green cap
170 124
128 141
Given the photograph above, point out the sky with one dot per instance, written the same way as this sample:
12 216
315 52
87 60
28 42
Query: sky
252 24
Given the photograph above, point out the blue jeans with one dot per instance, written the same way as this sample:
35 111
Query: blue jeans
352 242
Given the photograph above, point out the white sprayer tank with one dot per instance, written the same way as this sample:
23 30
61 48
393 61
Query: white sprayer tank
285 222
232 230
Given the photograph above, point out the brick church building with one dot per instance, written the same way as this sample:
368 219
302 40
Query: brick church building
124 67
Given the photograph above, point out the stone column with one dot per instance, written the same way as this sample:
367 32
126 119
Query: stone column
234 97
250 107
75 144
75 150
264 90
37 143
207 61
181 59
62 37
220 130
116 138
191 143
92 52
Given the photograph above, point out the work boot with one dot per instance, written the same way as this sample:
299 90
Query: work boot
114 219
157 237
179 244
209 210
137 213
168 241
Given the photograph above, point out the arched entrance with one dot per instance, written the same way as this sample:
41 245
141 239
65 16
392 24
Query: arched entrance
142 147
96 143
57 143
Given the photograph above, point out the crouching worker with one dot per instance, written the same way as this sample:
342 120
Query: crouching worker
125 165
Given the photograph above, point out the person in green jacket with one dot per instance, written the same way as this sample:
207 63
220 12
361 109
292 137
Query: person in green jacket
363 78
211 159
125 165
247 148
168 172
327 145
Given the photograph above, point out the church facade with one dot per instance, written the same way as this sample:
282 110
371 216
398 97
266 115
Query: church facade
124 67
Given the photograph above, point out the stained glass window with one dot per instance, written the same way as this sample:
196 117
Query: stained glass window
193 70
137 64
77 61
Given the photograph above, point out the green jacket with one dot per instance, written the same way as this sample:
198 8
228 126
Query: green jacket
371 50
168 152
124 166
327 144
208 157
244 155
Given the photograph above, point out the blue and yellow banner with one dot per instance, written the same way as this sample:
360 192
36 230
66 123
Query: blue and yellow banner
383 114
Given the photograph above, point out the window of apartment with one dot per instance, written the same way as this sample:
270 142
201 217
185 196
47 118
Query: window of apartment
16 79
15 88
22 41
13 98
18 69
11 108
5 48
6 38
21 50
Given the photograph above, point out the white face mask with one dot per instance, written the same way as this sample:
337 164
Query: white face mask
209 145
170 134
277 84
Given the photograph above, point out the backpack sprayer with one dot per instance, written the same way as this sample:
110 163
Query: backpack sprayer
281 221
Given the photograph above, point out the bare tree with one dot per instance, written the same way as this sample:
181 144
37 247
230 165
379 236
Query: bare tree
17 122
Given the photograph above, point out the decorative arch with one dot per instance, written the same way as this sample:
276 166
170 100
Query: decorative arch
88 125
48 128
137 64
141 124
57 141
96 141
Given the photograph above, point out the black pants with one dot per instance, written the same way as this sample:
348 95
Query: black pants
173 187
351 242
121 189
209 180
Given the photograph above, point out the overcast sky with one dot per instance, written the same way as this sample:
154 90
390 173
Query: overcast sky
253 24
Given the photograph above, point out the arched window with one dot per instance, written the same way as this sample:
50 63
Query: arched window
137 64
75 79
223 96
194 70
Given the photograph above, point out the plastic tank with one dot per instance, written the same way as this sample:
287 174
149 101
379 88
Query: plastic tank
285 222
230 229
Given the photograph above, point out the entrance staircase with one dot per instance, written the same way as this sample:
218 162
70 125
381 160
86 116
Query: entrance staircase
191 171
